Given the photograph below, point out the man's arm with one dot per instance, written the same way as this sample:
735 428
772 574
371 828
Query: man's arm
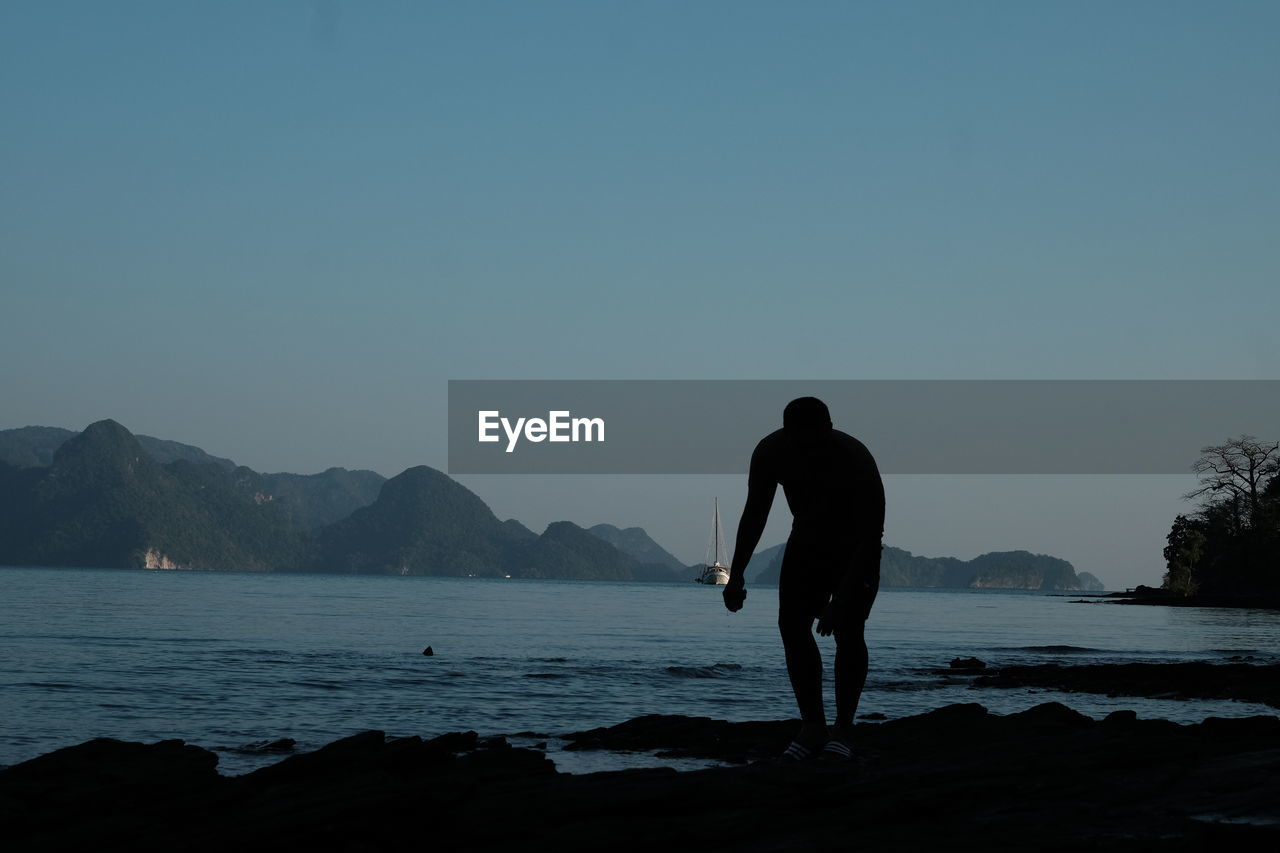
762 485
751 527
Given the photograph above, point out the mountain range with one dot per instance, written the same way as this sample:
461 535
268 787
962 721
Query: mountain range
106 497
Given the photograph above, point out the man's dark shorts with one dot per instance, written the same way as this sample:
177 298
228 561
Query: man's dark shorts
811 574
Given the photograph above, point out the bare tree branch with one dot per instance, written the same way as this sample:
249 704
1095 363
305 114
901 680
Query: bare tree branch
1240 467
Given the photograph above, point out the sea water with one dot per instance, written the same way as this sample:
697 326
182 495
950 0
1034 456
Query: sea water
230 660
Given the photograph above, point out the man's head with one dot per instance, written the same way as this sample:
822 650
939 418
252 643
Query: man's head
806 419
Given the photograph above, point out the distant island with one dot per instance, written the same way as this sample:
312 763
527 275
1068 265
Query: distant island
108 498
994 570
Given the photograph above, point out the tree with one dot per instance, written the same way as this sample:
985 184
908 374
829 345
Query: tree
1231 546
1182 554
1233 475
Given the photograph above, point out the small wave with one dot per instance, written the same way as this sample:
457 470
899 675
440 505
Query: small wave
718 670
909 686
545 675
1055 650
322 685
262 747
1247 657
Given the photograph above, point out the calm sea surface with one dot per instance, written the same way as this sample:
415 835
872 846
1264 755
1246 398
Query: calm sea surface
228 660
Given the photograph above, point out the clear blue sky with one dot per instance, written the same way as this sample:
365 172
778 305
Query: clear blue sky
276 229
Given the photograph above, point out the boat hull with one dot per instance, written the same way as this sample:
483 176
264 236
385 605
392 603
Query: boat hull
716 575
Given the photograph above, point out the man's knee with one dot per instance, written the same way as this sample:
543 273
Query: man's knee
850 632
795 627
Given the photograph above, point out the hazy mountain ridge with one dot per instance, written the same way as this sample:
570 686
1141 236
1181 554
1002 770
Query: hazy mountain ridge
31 446
635 542
311 500
35 446
565 550
766 564
314 500
993 570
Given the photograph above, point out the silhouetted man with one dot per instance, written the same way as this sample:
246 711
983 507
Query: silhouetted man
831 565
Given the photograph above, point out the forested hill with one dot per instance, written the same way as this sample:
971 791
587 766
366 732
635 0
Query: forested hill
102 498
102 501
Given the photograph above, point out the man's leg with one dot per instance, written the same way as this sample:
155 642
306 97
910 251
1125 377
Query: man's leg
798 606
804 667
852 662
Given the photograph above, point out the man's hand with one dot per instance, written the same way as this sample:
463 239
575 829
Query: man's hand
735 592
828 619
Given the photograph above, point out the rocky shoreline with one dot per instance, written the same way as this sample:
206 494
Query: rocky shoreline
1155 596
1047 778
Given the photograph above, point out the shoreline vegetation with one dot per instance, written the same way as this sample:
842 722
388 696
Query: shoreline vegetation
1047 777
1226 554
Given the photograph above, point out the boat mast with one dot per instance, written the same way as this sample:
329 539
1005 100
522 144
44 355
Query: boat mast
717 533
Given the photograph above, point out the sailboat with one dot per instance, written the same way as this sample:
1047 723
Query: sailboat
715 572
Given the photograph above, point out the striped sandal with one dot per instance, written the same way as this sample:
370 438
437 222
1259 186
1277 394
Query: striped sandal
796 751
836 750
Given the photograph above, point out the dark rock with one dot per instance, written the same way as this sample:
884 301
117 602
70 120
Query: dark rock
1196 680
1052 715
948 714
921 783
428 651
455 741
1261 729
338 757
967 663
116 764
1121 718
690 737
108 786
